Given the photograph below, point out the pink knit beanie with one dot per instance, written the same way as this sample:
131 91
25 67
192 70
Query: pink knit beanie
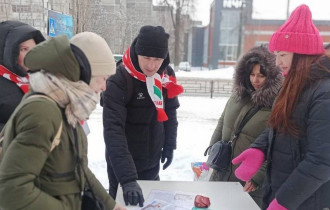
298 34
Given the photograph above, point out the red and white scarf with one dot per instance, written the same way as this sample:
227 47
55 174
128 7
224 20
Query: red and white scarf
21 82
154 84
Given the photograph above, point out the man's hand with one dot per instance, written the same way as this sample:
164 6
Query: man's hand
133 194
168 154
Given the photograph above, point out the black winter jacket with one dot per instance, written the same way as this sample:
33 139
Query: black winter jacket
134 138
12 33
298 173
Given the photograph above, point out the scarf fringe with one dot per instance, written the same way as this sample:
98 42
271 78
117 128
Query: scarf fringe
161 115
173 90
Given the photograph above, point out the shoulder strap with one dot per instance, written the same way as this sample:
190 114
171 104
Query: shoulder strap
246 118
2 134
79 163
56 141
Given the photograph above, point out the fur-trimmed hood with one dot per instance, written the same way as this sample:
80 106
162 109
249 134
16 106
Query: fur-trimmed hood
265 96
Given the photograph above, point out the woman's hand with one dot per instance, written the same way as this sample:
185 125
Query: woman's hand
119 207
249 187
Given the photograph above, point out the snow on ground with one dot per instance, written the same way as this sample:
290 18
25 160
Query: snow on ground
196 72
197 116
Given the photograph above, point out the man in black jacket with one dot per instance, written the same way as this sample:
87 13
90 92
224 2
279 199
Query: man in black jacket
16 39
139 114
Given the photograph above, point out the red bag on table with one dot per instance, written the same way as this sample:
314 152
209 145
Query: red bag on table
202 201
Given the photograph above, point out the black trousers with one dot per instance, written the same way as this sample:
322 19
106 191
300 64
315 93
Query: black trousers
149 174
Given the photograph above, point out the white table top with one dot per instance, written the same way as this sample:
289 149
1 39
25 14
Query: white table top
223 195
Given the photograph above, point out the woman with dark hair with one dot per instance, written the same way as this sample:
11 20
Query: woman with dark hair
297 143
257 81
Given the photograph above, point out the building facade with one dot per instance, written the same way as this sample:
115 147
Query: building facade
232 32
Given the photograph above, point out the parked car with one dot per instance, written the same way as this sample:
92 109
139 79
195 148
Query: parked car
117 57
185 66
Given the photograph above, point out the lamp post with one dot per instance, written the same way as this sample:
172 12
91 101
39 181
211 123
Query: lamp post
240 29
287 9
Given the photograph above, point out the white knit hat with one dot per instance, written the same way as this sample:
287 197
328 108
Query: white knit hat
97 52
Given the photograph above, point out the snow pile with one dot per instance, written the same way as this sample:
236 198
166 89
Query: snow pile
225 73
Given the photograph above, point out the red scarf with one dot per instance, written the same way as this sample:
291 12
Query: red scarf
21 82
154 84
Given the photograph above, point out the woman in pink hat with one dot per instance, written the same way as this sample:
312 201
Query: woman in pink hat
297 143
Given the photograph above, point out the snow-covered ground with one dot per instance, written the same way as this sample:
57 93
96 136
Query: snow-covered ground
197 116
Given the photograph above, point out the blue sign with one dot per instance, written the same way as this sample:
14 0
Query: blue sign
51 27
59 24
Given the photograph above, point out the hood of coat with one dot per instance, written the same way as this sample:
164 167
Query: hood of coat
54 56
320 69
135 61
265 96
12 33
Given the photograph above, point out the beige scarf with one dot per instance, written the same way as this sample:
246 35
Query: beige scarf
77 98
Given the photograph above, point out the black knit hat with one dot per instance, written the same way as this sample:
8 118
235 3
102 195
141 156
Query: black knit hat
152 41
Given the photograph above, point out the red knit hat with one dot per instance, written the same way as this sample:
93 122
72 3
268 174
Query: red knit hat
298 34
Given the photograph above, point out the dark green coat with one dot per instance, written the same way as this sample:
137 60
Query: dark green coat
32 176
242 100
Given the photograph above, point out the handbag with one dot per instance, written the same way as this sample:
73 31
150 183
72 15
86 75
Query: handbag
220 153
89 200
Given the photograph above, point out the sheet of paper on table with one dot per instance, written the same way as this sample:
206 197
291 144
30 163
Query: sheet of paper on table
169 200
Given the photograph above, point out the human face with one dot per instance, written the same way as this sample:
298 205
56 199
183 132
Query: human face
284 61
24 48
257 79
149 65
98 83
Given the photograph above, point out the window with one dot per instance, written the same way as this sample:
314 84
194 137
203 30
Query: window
228 52
229 35
130 5
21 8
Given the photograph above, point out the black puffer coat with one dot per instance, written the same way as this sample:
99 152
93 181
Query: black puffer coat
298 173
134 138
12 33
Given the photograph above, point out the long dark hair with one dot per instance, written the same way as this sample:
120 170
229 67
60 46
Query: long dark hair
294 83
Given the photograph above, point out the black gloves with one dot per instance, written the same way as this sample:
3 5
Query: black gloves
133 194
168 154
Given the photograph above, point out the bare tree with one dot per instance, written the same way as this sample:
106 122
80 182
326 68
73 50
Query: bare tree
178 10
81 11
117 23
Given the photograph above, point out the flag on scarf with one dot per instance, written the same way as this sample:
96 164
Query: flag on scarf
155 83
